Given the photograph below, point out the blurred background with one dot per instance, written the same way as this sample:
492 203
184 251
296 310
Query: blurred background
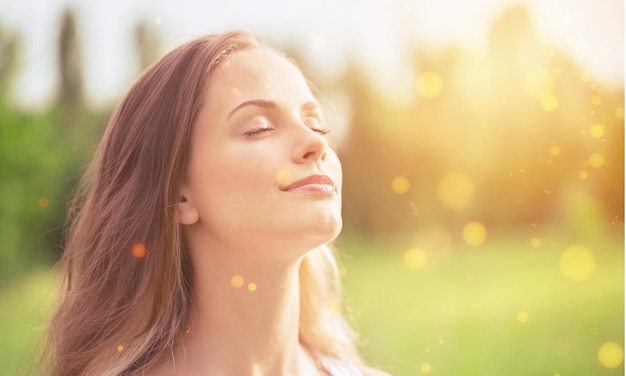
483 153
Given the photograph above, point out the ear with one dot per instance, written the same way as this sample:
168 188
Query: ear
187 212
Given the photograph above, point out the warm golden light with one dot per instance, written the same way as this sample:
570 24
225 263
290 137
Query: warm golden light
426 368
43 202
549 102
284 177
120 348
577 263
611 355
474 233
596 100
535 242
414 258
455 190
139 250
335 306
538 83
236 281
252 286
522 317
555 151
429 85
400 185
596 160
316 41
619 112
583 174
597 130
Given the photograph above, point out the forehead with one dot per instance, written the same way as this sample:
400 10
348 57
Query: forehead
257 74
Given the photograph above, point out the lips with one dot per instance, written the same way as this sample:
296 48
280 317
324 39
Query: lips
313 183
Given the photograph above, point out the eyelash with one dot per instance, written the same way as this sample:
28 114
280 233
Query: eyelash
252 132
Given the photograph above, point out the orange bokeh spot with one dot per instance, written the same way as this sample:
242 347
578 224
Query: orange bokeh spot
43 202
236 281
139 250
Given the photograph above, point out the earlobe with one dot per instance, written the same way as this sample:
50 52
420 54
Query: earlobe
187 212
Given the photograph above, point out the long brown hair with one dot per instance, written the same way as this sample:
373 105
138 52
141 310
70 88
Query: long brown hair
128 278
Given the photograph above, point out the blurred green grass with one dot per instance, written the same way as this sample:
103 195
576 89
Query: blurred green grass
458 313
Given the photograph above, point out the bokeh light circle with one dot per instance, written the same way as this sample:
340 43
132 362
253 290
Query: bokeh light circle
577 263
414 258
611 355
538 83
596 160
597 130
429 85
474 233
455 190
400 185
522 317
426 368
549 102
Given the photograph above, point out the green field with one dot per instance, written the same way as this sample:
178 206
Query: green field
500 309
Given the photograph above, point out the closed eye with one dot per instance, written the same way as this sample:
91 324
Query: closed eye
315 124
256 131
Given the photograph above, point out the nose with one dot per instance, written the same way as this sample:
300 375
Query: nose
310 146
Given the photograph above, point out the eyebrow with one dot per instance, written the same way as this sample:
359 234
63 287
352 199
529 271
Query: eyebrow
311 105
254 102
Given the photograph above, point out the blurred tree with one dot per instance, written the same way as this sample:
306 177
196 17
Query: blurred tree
9 50
70 65
515 125
148 44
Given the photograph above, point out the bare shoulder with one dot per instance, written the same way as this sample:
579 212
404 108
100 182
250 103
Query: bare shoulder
369 371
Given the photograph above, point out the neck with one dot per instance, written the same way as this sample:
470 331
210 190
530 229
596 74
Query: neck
245 316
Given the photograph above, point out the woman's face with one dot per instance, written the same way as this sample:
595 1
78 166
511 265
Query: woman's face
261 173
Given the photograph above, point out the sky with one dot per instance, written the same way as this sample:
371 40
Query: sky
375 31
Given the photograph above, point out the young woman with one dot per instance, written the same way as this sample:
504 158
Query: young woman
199 243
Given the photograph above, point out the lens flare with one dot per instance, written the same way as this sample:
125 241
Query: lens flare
414 258
236 281
474 233
577 263
455 190
611 355
139 250
429 85
400 185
